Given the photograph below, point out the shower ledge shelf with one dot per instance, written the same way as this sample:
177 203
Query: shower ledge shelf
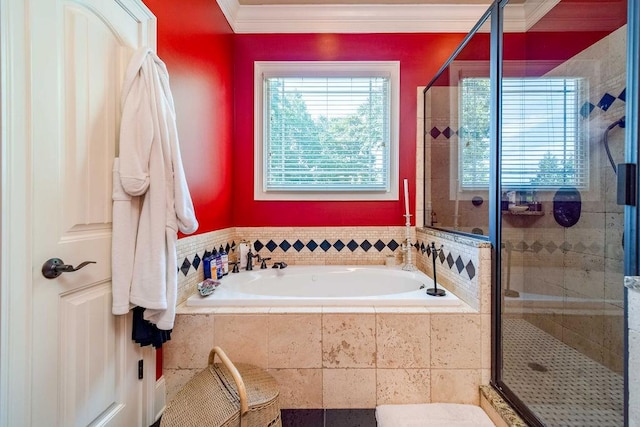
523 213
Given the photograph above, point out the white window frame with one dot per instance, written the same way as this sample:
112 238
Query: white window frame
266 69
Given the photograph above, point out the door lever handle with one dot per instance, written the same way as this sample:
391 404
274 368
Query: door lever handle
54 267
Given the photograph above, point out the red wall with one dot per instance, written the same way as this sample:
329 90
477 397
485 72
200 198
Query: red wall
211 73
196 43
420 56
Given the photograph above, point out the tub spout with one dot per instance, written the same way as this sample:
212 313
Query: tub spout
279 265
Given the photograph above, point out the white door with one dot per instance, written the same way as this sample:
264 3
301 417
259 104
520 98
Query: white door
84 366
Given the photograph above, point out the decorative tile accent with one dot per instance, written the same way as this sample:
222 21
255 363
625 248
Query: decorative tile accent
606 101
471 270
298 245
285 245
365 245
449 260
459 264
352 245
196 261
257 245
325 246
393 245
271 245
447 132
623 95
338 245
586 109
379 245
312 245
185 266
434 132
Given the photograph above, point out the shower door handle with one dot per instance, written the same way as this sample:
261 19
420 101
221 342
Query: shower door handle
54 267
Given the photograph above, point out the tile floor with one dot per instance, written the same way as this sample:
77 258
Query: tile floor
561 385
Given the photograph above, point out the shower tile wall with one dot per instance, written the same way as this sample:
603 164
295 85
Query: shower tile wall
582 265
441 131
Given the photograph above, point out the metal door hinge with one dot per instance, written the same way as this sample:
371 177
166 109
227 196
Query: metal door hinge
140 369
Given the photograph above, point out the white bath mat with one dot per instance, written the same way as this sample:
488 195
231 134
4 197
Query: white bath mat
432 415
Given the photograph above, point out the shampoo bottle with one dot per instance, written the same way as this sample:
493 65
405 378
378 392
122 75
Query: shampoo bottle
214 268
206 265
225 261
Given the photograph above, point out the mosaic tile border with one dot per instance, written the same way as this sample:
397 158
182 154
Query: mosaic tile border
453 261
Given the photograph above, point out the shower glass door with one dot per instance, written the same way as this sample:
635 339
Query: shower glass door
561 258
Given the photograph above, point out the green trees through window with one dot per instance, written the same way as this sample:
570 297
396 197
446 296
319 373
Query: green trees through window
327 133
543 134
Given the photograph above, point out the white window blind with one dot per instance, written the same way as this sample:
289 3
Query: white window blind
543 136
326 133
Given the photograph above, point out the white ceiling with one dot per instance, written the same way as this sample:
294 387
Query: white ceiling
371 16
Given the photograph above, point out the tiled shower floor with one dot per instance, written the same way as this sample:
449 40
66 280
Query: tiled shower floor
560 385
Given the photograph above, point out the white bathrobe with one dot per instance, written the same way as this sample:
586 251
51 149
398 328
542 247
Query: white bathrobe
152 201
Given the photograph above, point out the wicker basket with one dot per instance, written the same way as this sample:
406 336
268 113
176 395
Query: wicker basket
223 395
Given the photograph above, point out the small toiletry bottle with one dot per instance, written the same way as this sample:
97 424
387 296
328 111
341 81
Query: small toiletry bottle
242 254
225 261
219 271
206 265
214 267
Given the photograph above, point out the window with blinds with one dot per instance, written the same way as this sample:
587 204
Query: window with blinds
543 136
328 133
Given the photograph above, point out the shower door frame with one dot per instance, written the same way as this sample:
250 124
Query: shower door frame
632 213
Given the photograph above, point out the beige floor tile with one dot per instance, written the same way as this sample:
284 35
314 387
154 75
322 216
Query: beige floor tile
348 340
295 341
299 388
403 340
403 386
349 388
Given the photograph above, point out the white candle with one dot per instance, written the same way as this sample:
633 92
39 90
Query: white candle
406 196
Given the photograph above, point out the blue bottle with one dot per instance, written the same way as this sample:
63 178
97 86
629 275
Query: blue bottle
206 265
216 263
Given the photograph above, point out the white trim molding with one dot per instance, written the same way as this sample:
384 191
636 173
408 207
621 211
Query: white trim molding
372 18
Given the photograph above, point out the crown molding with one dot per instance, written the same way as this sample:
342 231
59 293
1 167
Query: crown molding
373 18
351 18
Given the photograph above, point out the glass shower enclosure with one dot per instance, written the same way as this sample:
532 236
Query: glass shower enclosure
525 151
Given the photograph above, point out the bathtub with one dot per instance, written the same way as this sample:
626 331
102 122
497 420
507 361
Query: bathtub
324 286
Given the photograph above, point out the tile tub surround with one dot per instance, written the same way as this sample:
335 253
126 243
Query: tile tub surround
463 266
346 358
336 358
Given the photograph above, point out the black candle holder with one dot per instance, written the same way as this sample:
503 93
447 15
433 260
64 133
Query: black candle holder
435 291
